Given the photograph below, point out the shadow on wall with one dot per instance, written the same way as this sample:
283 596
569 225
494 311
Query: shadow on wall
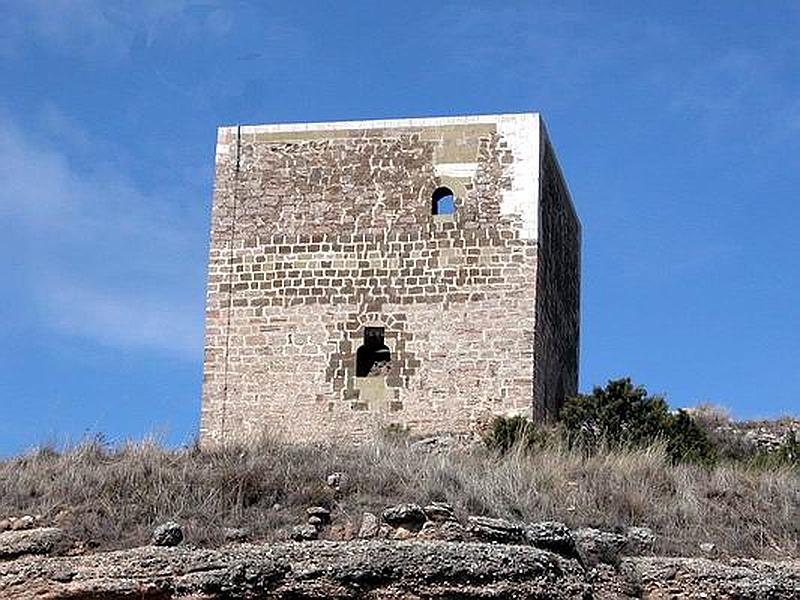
374 357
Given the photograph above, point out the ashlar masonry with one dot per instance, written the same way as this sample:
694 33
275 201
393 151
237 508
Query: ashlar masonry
421 274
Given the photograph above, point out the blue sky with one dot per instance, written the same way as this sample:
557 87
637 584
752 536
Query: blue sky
677 126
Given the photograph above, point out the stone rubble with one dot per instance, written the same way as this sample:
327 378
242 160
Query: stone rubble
167 534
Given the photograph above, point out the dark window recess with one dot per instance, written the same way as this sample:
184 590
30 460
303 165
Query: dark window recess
443 201
374 357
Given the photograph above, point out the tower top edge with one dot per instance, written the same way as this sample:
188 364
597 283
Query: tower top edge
385 123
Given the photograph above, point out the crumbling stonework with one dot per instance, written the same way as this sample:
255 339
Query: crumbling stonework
339 303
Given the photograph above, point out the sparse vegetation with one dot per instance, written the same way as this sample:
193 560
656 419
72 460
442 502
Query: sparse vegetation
111 497
517 431
619 458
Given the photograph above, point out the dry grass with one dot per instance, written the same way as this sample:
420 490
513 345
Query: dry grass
112 497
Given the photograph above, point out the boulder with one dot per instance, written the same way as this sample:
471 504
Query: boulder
167 534
42 540
440 511
596 546
409 516
304 533
553 536
369 526
501 531
320 512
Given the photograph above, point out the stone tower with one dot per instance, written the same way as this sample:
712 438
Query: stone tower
414 273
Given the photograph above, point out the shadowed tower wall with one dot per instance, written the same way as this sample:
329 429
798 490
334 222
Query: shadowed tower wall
338 303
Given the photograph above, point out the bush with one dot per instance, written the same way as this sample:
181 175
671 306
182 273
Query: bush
620 414
624 415
687 441
508 432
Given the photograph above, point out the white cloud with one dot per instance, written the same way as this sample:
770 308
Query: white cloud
123 320
102 30
102 259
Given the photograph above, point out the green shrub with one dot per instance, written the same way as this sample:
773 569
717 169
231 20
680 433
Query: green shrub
508 432
624 415
621 414
687 441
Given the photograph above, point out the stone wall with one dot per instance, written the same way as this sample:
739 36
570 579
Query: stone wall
558 291
321 231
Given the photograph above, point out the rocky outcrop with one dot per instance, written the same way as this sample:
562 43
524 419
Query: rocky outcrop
410 553
595 546
662 577
42 540
383 569
363 569
485 529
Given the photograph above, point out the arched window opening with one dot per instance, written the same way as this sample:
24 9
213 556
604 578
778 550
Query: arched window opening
374 357
443 201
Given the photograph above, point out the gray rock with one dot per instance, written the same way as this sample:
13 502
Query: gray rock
23 522
315 521
320 512
485 529
167 534
708 547
386 569
596 546
359 569
43 540
449 531
369 526
553 536
409 516
639 540
742 578
334 480
440 511
236 534
304 533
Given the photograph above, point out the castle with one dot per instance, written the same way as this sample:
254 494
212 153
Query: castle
413 273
